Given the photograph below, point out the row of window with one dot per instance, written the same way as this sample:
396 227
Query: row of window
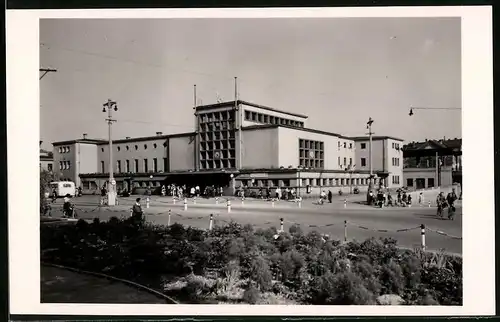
345 145
126 166
136 147
64 149
396 146
395 179
269 119
313 182
420 183
64 165
49 166
395 162
345 162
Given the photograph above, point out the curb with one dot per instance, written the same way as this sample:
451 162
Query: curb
114 279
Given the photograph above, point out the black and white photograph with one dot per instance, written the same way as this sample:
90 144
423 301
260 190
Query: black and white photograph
307 163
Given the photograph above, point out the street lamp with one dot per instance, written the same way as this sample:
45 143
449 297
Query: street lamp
109 107
370 181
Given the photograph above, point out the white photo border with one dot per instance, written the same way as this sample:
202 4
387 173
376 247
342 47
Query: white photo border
23 128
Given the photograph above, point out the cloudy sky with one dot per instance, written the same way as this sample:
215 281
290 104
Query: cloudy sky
337 71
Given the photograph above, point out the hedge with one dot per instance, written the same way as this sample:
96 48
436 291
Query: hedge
235 264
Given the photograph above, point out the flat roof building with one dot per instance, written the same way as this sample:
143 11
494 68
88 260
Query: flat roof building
237 143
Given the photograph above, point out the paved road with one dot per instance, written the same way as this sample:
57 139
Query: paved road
362 221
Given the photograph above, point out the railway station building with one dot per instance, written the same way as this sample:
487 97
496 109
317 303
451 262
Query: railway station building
235 144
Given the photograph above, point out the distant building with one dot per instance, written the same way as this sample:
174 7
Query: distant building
236 144
432 163
46 160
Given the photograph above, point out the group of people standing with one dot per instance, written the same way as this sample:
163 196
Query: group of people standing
382 198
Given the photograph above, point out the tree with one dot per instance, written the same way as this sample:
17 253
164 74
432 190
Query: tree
45 178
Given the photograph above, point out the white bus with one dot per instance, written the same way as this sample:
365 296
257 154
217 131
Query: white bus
63 188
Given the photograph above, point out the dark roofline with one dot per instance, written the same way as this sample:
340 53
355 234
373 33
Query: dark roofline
232 103
305 129
150 138
375 138
138 139
90 141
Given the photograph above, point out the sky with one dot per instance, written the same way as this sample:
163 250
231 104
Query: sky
338 71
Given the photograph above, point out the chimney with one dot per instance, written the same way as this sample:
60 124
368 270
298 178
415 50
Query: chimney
84 136
425 140
159 133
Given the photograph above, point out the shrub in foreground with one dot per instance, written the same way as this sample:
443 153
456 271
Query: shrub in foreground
234 263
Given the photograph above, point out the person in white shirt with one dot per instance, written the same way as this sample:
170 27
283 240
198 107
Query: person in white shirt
192 191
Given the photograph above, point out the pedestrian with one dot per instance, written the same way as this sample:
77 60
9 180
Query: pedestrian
330 196
420 198
137 212
104 193
399 198
389 199
54 195
409 200
197 191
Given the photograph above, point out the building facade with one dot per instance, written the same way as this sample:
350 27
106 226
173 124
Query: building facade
432 163
237 144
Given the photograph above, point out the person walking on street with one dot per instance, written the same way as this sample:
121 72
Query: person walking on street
330 196
104 193
137 213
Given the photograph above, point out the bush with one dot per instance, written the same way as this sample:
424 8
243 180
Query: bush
222 263
251 295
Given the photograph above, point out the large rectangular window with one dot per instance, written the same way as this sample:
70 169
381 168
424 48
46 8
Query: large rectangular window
119 166
102 166
311 154
146 165
363 162
165 165
127 165
155 165
136 165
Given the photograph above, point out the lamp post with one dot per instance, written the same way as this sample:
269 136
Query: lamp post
109 107
299 168
370 180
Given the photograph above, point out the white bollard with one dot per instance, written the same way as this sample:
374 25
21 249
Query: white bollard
429 204
272 202
169 215
300 202
210 225
345 231
229 206
423 236
194 200
147 202
345 203
131 212
185 204
282 226
216 200
242 201
175 200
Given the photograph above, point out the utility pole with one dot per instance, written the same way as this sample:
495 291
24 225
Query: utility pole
370 133
110 106
46 71
197 132
432 108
